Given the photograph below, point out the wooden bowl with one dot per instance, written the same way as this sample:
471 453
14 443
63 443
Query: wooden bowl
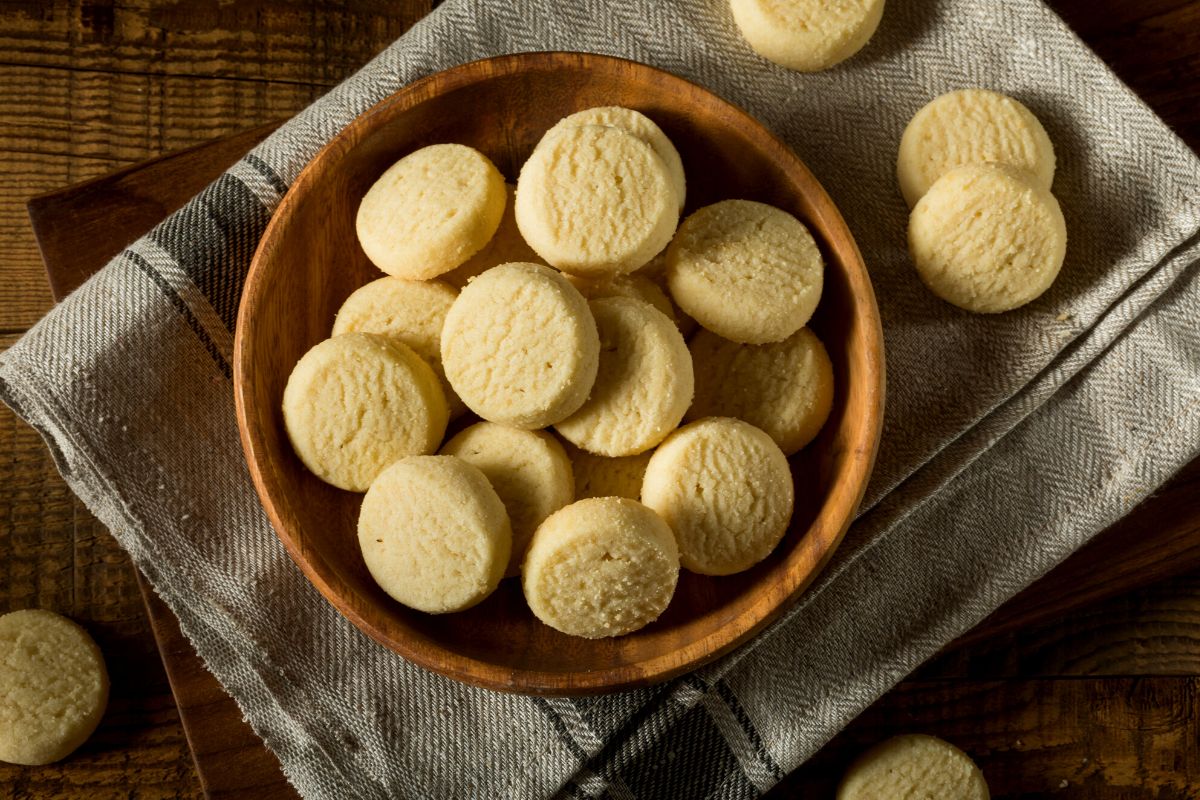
309 261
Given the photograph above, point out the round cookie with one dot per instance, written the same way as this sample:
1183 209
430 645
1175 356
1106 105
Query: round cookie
431 211
357 402
53 687
643 386
639 125
747 271
411 311
505 247
595 201
656 273
520 346
605 566
913 765
987 238
529 470
784 388
434 534
807 35
603 476
636 286
725 489
971 126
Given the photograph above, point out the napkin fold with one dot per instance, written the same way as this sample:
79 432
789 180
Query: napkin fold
1009 439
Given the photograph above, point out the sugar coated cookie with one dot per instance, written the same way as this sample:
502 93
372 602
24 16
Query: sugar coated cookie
656 273
913 765
528 469
785 388
520 346
411 311
601 567
807 35
747 271
505 247
643 386
595 201
53 687
431 211
357 402
604 476
641 126
637 286
434 534
971 126
725 489
987 238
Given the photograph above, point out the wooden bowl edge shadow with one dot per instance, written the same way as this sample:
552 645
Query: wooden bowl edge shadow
816 550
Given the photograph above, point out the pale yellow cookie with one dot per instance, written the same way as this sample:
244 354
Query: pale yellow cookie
636 286
434 534
603 476
505 247
641 126
785 388
53 687
357 402
606 566
725 489
807 35
656 272
411 311
747 271
643 386
971 126
595 201
915 766
431 211
520 346
528 469
987 238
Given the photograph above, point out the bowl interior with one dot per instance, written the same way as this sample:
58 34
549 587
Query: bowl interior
309 261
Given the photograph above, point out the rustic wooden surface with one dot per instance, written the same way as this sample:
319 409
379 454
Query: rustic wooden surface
1100 704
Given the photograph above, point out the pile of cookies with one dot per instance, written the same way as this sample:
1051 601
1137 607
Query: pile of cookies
556 313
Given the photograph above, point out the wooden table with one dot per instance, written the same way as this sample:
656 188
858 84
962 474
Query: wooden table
1101 703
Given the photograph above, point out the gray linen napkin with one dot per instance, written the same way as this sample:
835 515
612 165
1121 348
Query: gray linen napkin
1009 439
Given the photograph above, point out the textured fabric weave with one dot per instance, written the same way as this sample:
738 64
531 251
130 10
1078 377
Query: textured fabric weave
1009 440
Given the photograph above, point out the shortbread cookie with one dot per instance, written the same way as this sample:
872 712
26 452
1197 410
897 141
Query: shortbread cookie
971 126
747 271
807 35
987 238
595 201
784 388
411 311
53 686
644 384
434 534
431 211
639 287
528 469
505 247
606 566
641 126
520 346
656 272
603 476
725 489
357 402
913 765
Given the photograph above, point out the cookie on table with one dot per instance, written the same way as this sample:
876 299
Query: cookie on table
53 687
913 765
643 385
987 238
434 534
505 247
431 211
746 271
357 402
520 346
411 311
605 566
595 201
529 470
724 487
971 126
785 388
605 476
807 35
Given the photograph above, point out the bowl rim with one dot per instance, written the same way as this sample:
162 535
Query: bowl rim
468 669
